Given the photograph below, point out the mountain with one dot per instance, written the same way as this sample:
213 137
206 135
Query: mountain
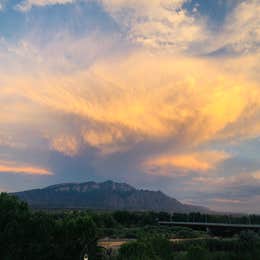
107 195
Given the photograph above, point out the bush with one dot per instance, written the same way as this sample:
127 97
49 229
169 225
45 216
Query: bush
198 252
152 248
248 239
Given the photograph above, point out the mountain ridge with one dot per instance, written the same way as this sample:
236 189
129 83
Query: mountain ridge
106 195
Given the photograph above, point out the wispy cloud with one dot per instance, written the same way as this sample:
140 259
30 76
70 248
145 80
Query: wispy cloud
256 175
65 144
239 34
159 24
243 27
26 5
162 92
190 109
226 201
20 168
194 162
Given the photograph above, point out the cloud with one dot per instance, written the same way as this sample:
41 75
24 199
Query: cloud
157 24
65 144
256 175
237 193
108 139
236 186
14 167
28 4
188 100
226 201
240 32
184 163
144 99
167 26
243 26
2 6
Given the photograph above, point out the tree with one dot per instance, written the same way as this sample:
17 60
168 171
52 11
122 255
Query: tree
28 235
147 248
197 252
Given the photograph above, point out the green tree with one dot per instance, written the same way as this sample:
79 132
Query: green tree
27 235
198 252
147 248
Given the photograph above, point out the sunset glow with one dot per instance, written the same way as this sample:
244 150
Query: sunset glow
163 94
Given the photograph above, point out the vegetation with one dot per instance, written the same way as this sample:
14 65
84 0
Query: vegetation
246 246
68 235
27 235
147 248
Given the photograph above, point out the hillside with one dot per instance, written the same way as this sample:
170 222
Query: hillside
106 195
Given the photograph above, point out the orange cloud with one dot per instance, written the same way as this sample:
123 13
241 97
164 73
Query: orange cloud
96 138
65 144
199 161
256 175
174 85
186 99
13 167
107 140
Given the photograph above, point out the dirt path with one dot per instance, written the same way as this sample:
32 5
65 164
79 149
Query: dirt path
117 243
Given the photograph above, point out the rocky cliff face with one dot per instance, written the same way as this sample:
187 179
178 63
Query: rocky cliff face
107 195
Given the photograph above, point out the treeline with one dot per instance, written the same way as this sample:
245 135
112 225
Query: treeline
27 235
129 218
214 218
245 246
124 224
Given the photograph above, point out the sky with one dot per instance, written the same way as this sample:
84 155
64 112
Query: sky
161 94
